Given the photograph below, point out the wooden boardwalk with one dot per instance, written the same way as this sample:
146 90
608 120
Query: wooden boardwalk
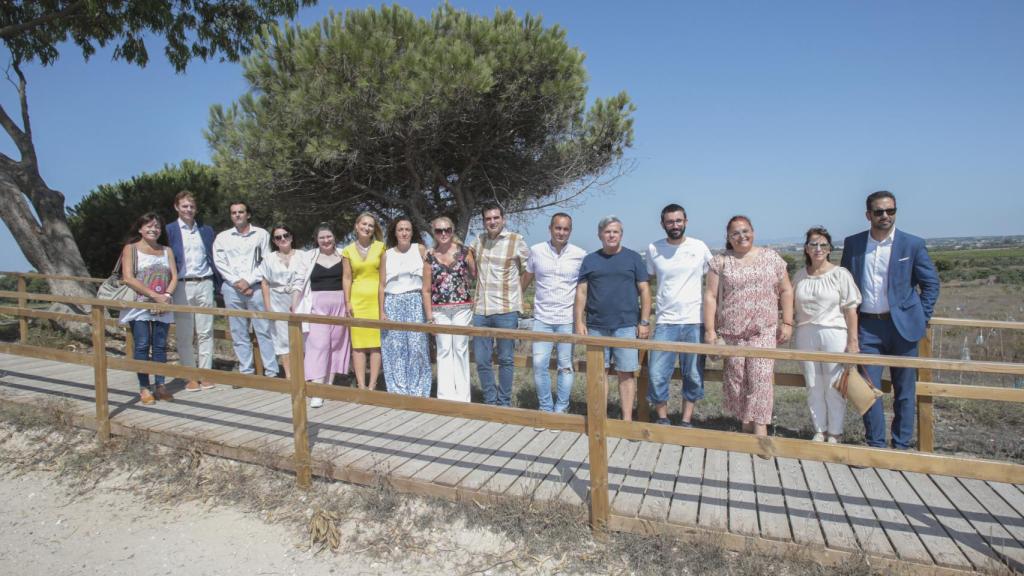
930 521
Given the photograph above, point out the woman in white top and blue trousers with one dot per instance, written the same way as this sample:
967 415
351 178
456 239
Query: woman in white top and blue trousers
405 297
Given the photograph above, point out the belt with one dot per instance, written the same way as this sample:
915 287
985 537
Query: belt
882 316
195 278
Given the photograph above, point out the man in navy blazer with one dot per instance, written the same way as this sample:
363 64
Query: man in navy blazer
192 244
899 287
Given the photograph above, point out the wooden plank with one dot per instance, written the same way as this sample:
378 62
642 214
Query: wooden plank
802 517
397 445
443 440
316 422
943 550
686 495
556 480
514 468
714 491
538 470
858 511
959 529
618 466
340 432
215 412
387 430
597 432
771 505
970 504
579 488
658 498
1012 494
469 456
634 485
498 459
831 516
454 454
970 392
742 495
250 413
905 541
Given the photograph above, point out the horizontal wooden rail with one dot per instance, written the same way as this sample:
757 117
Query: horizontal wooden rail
36 275
206 375
43 353
942 390
977 323
839 453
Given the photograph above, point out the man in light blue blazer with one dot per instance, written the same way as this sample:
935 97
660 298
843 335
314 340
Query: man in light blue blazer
899 287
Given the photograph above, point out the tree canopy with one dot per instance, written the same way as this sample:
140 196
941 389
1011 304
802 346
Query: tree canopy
101 220
382 110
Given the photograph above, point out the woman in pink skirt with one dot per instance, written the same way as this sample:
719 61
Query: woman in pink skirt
746 288
327 346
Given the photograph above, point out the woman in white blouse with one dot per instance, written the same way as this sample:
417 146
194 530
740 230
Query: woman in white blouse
282 272
826 300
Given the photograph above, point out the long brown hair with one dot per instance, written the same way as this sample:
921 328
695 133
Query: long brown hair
133 235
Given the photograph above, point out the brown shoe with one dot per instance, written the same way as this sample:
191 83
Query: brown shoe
162 394
146 398
192 386
207 385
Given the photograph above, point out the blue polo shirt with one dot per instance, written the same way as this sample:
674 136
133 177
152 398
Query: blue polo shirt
612 295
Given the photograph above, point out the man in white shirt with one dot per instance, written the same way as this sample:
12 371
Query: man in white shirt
237 253
899 286
192 244
679 263
555 265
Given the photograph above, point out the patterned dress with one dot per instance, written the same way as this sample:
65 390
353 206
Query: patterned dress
748 315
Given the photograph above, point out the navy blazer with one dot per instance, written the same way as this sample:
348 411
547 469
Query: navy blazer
174 241
913 280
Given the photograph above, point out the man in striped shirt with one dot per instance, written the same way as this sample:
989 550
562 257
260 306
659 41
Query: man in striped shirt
555 265
500 262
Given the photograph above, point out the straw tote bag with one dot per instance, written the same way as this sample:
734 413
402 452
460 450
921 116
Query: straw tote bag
857 389
114 287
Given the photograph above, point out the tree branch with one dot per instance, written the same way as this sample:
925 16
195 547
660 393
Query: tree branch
12 30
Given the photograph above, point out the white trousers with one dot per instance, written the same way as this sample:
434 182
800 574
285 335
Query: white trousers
194 328
453 354
827 406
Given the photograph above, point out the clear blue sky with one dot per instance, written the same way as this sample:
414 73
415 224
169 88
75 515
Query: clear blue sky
789 112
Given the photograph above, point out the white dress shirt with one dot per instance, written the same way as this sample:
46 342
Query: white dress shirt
555 278
234 254
196 264
875 288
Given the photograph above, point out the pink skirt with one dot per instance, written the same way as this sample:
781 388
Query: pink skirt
327 347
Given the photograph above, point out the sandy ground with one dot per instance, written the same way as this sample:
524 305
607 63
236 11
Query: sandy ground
46 531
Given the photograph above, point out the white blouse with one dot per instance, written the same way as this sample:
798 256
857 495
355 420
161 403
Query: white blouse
821 300
281 278
404 271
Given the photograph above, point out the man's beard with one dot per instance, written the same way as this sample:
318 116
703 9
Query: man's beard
676 234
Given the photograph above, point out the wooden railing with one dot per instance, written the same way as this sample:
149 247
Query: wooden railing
594 423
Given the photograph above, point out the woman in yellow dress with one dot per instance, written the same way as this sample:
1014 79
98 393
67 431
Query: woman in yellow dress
360 279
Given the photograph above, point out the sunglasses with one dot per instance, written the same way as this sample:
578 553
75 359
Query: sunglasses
440 231
877 213
284 236
818 245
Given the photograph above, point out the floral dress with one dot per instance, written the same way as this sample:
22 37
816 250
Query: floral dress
748 315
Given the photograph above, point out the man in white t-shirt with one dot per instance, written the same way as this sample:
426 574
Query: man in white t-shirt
555 265
679 263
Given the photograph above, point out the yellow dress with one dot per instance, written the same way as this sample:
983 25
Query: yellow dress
365 283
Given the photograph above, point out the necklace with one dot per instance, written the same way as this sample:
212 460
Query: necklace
363 250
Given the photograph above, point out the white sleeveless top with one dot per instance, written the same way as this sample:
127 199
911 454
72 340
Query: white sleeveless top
154 271
404 272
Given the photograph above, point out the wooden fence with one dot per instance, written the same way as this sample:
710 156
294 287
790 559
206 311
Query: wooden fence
594 424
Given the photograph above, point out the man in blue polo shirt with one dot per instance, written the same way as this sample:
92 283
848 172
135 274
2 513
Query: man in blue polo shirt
611 281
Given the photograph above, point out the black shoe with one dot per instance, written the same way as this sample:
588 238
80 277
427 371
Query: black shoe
663 421
685 424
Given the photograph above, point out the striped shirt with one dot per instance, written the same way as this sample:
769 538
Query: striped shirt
499 264
556 276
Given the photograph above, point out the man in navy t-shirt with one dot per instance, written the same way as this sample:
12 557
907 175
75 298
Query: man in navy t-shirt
611 280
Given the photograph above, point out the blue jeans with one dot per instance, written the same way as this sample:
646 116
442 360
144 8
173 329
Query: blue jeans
626 359
541 359
483 348
235 300
151 345
881 337
662 364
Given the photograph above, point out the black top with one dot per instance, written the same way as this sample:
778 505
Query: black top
325 279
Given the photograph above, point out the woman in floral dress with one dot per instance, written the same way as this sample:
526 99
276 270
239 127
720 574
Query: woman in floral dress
746 288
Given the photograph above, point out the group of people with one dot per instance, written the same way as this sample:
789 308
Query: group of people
877 301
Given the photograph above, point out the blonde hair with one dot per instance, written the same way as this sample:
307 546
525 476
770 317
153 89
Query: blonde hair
378 233
447 220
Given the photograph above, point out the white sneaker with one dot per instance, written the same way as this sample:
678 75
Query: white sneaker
833 440
818 437
316 402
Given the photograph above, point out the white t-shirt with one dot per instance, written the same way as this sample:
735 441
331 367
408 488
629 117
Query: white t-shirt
680 270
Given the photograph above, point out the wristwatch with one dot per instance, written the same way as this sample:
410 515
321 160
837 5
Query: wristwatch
645 322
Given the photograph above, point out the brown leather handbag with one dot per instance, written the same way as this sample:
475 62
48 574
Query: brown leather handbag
857 389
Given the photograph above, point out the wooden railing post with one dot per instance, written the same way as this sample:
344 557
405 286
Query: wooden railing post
257 359
643 409
597 434
99 359
303 467
22 303
925 414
